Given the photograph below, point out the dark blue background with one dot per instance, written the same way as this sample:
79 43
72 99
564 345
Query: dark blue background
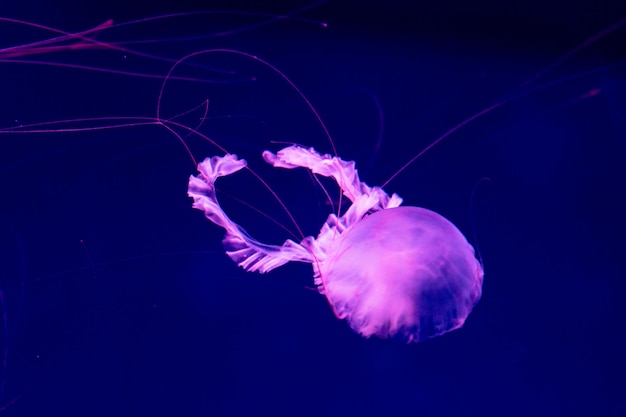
120 301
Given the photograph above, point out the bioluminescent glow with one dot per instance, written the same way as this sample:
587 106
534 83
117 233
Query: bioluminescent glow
390 271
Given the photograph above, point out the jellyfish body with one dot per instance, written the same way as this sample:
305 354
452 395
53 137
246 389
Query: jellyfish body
405 272
390 271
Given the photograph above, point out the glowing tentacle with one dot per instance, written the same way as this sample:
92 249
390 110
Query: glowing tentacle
241 247
255 256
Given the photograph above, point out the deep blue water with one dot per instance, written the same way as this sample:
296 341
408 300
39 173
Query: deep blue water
119 299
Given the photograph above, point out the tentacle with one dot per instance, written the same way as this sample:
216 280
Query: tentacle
255 256
365 199
241 247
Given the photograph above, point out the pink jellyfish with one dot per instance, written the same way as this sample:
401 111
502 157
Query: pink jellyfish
390 271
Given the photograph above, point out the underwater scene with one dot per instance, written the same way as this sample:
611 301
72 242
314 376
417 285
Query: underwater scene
413 208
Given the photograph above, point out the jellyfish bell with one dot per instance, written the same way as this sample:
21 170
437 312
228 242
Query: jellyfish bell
391 271
403 272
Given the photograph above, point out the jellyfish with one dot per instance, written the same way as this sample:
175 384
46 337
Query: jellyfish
390 271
